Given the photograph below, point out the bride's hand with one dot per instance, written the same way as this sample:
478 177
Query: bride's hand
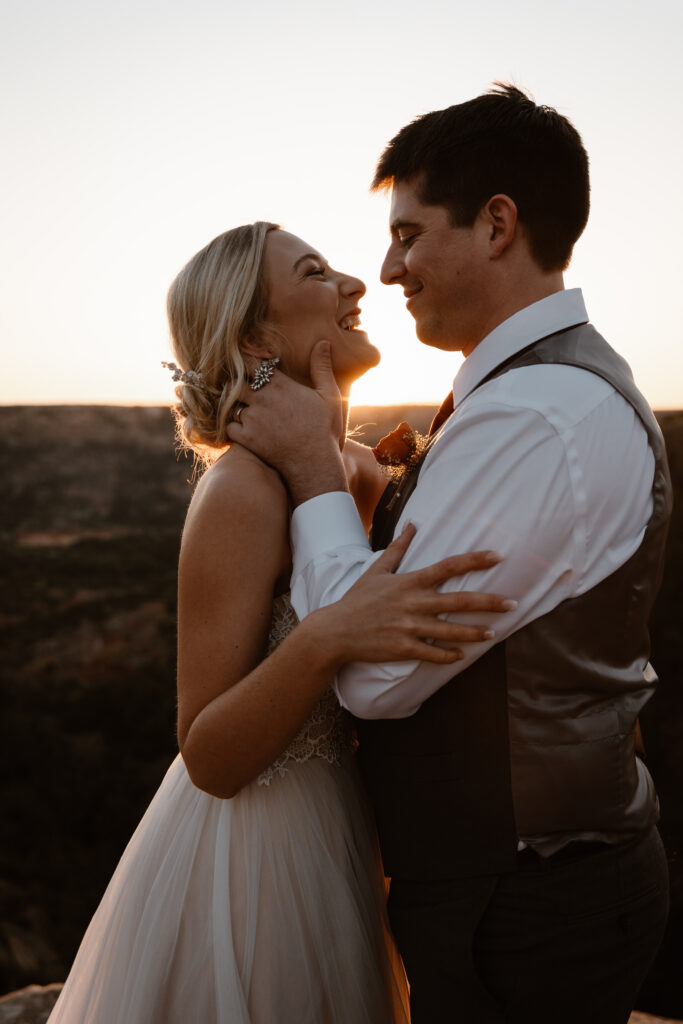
389 616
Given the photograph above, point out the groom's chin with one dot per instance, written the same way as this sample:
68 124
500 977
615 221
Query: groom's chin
433 337
429 337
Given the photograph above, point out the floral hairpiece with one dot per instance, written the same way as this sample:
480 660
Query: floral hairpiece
186 376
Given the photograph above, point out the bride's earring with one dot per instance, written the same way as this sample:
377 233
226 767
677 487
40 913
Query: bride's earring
263 373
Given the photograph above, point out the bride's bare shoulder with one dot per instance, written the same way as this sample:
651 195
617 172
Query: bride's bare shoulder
239 491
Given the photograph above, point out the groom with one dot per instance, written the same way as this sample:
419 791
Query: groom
518 826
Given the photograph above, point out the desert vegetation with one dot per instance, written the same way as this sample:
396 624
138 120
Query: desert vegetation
94 501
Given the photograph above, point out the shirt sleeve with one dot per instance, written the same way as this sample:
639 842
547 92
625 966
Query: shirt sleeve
497 478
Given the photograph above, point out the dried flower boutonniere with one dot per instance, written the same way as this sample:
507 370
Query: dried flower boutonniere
398 453
400 450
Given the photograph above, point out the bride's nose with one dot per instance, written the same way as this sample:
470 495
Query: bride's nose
352 286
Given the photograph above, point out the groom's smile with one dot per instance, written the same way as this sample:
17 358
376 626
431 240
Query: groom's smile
440 268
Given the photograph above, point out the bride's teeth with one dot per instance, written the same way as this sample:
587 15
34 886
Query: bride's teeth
350 321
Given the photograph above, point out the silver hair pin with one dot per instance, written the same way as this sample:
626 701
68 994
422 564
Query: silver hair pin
263 373
186 376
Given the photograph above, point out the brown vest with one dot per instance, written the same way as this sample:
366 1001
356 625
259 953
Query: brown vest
536 738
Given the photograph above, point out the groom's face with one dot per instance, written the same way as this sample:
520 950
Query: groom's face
441 269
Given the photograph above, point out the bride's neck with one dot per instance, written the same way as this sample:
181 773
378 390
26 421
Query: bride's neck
345 416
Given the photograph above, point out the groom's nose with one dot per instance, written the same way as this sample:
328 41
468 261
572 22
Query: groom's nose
393 266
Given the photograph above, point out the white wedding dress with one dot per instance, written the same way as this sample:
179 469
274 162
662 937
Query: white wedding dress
264 909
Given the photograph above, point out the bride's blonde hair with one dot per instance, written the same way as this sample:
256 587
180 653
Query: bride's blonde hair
215 303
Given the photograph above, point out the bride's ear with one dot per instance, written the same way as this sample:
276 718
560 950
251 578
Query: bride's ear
256 347
259 346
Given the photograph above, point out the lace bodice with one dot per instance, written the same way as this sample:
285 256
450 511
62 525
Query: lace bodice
328 733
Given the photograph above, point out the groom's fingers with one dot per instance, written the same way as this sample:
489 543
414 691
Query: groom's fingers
261 408
279 388
322 375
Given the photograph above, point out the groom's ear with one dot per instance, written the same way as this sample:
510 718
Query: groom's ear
499 216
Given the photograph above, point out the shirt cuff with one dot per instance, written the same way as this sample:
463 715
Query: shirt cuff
322 524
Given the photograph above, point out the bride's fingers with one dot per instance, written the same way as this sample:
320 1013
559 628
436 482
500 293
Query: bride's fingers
456 565
390 559
437 603
451 632
421 650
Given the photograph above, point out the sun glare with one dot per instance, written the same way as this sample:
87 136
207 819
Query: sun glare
113 179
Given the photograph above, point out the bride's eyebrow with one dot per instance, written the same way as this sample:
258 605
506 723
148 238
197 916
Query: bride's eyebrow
308 256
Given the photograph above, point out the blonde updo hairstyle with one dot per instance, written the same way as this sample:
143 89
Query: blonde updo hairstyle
217 300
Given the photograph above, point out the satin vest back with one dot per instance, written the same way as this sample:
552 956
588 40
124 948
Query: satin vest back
537 737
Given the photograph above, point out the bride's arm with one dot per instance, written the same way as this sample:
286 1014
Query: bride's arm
232 716
236 710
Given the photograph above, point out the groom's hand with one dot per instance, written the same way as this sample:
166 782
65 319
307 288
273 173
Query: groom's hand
296 429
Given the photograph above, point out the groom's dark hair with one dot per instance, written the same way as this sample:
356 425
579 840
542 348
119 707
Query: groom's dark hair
500 142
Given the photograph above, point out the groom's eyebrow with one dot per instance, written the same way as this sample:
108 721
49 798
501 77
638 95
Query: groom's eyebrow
400 225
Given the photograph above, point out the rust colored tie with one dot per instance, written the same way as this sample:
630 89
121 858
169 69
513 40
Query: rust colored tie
442 415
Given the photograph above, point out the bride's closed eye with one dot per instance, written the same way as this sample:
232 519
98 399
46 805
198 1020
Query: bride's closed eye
316 271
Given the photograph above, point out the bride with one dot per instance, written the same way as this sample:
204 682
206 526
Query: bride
251 892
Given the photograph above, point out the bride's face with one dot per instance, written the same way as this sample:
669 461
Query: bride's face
308 301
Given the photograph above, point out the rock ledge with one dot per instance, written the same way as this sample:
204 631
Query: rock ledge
32 1005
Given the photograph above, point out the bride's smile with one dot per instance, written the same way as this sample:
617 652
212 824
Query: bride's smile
309 301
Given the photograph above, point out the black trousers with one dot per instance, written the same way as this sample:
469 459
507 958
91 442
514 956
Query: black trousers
560 940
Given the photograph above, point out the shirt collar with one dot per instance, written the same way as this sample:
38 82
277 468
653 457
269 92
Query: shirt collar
554 313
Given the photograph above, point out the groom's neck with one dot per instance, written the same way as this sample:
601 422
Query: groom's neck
515 292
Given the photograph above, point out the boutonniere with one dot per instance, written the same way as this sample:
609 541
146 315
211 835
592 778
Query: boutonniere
400 450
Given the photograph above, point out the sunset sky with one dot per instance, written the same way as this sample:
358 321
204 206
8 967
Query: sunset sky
134 132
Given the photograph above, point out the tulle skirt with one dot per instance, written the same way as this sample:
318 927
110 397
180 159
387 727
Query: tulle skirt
264 909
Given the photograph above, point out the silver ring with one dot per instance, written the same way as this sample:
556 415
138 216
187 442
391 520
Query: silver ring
238 412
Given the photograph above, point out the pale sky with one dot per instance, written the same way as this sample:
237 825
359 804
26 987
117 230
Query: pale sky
134 132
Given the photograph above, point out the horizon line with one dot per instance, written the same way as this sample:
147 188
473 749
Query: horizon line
168 405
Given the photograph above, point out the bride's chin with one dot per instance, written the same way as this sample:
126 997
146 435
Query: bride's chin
349 375
370 358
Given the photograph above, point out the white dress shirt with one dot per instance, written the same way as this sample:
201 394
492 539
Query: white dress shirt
546 464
